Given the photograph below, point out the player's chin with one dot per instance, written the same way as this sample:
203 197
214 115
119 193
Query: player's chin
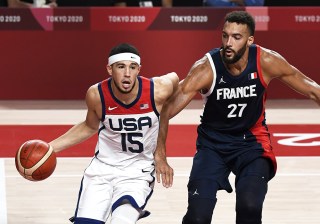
126 89
228 60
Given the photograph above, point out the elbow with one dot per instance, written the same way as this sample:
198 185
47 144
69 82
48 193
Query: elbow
316 98
315 93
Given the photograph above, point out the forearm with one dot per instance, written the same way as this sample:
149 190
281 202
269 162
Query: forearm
315 93
172 107
73 136
303 85
163 170
160 152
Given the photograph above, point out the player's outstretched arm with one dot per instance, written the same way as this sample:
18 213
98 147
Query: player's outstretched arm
165 86
84 130
275 66
199 78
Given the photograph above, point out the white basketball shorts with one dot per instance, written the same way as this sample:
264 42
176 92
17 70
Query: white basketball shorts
104 188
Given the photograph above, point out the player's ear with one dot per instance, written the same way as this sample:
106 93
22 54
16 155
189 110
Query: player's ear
109 69
250 40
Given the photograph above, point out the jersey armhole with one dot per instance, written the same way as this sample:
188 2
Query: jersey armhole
213 67
259 67
152 97
103 105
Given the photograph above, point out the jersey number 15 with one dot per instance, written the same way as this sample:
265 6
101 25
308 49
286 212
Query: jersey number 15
129 137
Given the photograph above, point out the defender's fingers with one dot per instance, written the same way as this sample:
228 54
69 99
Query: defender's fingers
158 176
167 178
164 179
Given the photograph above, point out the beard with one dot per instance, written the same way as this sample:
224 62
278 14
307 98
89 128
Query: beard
236 57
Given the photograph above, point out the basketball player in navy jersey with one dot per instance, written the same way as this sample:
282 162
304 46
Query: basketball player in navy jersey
124 110
233 135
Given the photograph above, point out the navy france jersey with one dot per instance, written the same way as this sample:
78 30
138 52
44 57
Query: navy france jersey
128 133
234 107
234 104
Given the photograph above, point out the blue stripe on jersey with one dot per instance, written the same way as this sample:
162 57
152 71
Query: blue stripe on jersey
80 191
100 129
103 115
131 200
87 221
152 98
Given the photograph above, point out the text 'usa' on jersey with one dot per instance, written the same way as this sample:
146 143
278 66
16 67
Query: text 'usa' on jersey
235 103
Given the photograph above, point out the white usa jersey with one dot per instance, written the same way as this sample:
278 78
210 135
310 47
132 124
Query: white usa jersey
128 133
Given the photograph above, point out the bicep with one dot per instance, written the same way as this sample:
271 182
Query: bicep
275 66
94 108
199 77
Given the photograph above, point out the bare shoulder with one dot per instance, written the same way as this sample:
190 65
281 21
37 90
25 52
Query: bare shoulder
164 87
166 83
274 64
93 90
269 55
93 96
167 79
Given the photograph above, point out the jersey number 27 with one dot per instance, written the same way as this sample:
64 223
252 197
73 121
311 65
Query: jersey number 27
236 110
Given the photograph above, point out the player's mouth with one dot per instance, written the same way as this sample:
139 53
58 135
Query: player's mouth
228 52
126 84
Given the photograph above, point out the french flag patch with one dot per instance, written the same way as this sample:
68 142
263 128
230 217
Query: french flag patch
253 75
144 106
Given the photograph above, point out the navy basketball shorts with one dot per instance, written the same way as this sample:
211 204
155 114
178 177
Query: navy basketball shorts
214 161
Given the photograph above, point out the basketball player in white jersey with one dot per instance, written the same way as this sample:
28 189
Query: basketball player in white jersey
124 110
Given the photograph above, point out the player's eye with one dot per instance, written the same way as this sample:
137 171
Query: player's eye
237 37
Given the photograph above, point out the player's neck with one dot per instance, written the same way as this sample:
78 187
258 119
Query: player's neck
238 67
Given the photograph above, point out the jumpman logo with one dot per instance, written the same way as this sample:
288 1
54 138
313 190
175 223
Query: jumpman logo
196 192
221 80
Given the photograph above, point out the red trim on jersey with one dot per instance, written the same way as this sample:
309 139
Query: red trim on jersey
260 131
259 67
142 104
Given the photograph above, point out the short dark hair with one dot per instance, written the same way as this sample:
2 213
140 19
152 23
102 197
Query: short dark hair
124 48
241 17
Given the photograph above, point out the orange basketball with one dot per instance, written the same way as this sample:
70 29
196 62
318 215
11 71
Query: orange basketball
35 160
